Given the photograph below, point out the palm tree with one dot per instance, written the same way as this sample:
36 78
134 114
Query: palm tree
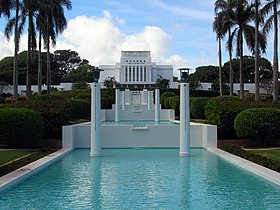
17 31
257 73
28 8
55 23
218 28
241 17
224 8
271 9
6 7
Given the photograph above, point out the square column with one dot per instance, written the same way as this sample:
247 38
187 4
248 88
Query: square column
95 141
184 120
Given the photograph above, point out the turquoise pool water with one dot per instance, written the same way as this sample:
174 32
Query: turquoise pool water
142 179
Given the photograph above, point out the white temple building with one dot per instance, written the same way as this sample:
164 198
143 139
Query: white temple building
136 69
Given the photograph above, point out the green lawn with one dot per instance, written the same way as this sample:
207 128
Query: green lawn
7 156
273 154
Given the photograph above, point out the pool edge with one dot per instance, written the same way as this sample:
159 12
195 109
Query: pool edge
24 172
259 170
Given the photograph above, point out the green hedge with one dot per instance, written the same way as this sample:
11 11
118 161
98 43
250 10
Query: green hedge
222 110
20 127
80 109
272 164
259 124
164 96
198 107
174 103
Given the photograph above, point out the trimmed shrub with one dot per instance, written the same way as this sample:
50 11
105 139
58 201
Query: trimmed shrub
67 94
198 107
80 109
165 96
258 159
106 101
46 97
84 96
56 113
259 124
20 127
80 85
166 103
222 110
204 93
174 103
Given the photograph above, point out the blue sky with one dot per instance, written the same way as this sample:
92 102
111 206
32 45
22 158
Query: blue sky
177 32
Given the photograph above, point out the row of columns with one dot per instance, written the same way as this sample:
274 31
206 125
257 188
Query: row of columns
184 117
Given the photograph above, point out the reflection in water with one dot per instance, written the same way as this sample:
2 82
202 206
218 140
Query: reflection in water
95 166
185 178
142 179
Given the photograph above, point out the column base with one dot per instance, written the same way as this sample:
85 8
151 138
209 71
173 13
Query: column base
184 154
95 154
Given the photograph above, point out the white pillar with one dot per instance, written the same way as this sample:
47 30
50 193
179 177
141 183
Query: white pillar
123 100
117 105
157 106
95 143
184 120
149 99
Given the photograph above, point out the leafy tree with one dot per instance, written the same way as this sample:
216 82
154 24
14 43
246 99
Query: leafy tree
6 68
204 74
68 60
248 68
110 82
80 85
82 73
162 82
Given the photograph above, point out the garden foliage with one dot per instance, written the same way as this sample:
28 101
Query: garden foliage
259 124
197 107
20 127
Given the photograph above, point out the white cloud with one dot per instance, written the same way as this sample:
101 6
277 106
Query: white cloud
7 47
178 62
100 41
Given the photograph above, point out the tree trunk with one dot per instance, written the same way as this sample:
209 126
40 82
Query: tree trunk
40 65
48 67
220 67
28 70
275 56
15 70
241 64
230 69
257 73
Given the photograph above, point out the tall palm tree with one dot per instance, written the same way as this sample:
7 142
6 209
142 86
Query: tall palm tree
55 23
257 73
6 7
218 28
224 8
13 23
270 11
29 12
27 8
242 16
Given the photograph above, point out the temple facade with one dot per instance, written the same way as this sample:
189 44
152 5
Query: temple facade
136 69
